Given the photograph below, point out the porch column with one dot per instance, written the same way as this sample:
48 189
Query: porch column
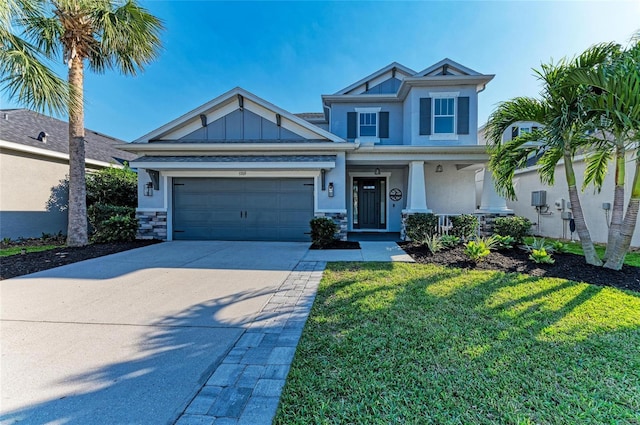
417 193
491 202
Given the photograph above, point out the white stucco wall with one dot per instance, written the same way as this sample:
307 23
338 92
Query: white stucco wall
551 225
450 192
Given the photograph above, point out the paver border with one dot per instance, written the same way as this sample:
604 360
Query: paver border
245 387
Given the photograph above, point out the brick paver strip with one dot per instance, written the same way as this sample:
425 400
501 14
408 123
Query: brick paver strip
245 388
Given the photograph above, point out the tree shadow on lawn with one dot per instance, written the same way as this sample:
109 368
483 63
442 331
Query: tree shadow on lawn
163 367
482 347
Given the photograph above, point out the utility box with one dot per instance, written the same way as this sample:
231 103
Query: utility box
539 198
606 206
565 215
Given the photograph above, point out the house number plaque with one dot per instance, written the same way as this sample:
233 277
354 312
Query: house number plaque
395 194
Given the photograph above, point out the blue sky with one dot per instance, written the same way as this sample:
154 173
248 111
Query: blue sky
289 53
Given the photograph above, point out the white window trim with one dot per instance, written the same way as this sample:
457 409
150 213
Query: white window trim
368 139
444 95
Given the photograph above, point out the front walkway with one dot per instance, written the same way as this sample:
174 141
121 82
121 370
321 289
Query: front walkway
246 387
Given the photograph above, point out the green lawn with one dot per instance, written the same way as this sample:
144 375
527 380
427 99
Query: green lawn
632 258
18 249
391 343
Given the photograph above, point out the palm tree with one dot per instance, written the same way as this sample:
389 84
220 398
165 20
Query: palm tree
23 75
104 34
614 103
561 135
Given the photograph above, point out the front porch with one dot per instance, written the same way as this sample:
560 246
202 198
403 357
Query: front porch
381 194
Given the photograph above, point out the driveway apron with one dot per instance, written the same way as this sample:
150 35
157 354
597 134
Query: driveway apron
133 337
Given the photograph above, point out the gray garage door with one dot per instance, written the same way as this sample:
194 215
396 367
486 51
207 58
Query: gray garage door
242 209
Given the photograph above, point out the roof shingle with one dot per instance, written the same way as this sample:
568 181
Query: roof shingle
22 126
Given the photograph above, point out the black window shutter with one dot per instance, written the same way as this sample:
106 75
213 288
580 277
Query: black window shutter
383 129
463 115
514 132
352 118
425 116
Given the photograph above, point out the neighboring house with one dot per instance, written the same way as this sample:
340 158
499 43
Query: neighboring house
552 218
34 162
395 143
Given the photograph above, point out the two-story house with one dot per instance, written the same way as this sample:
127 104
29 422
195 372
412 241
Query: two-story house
395 143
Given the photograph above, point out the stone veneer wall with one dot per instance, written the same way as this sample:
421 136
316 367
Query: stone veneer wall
486 221
341 220
152 224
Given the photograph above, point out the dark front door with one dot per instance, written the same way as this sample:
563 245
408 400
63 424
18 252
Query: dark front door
370 206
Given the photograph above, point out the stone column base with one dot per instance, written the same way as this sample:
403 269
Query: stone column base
487 219
152 224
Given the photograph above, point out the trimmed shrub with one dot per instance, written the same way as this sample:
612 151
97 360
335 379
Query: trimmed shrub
112 223
517 227
114 186
420 227
464 226
323 231
118 228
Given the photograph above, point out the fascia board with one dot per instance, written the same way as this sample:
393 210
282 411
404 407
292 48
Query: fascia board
233 165
52 154
244 148
363 98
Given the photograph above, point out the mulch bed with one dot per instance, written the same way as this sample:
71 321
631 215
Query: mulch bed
21 264
338 245
567 266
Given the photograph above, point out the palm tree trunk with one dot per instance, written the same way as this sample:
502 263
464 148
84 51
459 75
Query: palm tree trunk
616 259
617 214
77 229
589 250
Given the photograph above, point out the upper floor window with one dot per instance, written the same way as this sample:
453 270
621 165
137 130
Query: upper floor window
444 115
368 124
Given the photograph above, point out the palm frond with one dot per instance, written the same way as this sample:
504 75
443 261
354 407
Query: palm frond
509 112
596 171
547 163
129 38
25 78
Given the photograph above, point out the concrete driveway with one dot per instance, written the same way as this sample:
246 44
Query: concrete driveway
131 337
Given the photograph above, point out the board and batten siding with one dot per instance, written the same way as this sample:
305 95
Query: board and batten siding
241 125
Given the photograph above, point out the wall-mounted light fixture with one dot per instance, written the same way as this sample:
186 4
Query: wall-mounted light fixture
377 172
331 190
148 189
203 120
323 179
439 168
240 102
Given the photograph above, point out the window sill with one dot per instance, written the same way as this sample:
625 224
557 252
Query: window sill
368 140
443 137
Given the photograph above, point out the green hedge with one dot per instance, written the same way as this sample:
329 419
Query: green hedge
112 223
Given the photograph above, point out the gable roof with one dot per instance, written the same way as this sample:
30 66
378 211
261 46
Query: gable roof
446 67
399 68
21 128
443 73
229 102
